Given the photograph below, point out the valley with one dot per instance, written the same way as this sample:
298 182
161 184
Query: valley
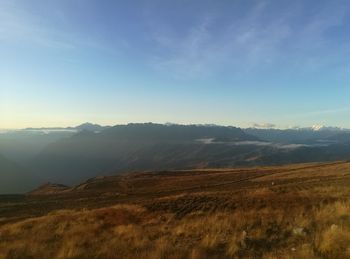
71 155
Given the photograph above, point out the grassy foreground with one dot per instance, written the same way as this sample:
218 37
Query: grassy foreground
300 211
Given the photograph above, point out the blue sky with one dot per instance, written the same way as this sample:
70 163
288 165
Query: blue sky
64 62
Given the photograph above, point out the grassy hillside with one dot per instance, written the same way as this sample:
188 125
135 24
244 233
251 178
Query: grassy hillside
295 211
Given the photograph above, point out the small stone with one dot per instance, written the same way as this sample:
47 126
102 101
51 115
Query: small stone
243 240
299 231
334 227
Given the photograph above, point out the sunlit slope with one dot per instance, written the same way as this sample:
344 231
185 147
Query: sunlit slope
294 211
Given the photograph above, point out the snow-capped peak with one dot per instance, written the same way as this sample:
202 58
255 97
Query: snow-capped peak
322 127
317 127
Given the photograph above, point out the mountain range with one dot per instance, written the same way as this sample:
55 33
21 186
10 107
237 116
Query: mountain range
85 126
34 156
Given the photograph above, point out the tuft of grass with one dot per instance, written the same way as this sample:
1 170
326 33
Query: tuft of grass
335 242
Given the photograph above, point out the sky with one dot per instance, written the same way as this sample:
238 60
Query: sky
242 63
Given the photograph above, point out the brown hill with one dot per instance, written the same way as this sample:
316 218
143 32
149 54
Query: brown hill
161 182
50 188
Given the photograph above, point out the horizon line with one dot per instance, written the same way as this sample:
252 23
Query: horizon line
252 126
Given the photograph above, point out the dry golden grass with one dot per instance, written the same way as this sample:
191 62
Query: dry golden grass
133 232
292 219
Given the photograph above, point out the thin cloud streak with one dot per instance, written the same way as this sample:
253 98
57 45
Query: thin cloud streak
18 25
248 43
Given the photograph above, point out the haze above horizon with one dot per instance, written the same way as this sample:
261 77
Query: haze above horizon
282 63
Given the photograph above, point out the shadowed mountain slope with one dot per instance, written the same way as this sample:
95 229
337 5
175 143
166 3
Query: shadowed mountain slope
138 147
13 178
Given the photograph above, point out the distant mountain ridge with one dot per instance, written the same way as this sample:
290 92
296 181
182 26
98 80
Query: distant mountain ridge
90 150
297 135
85 126
132 147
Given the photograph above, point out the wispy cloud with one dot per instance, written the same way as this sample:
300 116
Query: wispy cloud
19 25
189 55
249 42
244 43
